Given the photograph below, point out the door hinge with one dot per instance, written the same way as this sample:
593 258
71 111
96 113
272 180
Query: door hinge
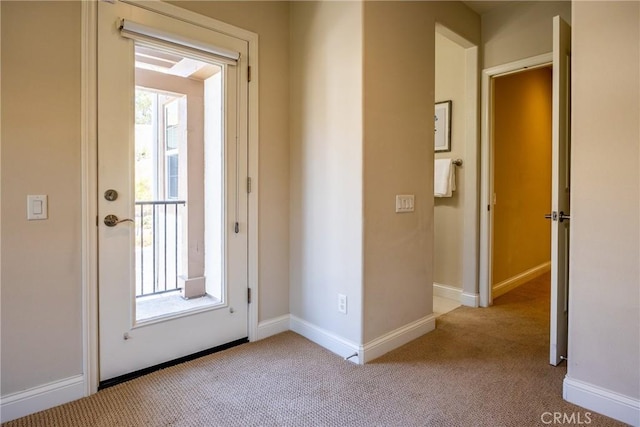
248 185
249 295
236 228
97 221
249 73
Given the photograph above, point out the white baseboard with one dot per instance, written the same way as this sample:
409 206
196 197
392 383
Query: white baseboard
470 300
446 291
456 294
603 401
519 279
43 397
273 326
394 339
344 347
326 339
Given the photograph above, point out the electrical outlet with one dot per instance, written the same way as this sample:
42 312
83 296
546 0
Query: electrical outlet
342 303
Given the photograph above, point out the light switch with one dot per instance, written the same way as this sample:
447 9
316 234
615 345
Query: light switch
404 203
36 207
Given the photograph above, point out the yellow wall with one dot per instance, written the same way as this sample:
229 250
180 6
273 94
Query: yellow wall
522 172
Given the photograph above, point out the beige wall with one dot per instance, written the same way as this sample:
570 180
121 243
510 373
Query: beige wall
326 164
448 226
604 298
520 30
396 88
522 172
270 20
399 80
41 292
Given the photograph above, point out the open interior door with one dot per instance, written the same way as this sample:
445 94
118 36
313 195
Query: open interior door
560 191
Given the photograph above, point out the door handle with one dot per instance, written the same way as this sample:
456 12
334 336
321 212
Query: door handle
557 217
112 220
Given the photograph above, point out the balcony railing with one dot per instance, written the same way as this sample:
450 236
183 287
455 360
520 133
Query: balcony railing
158 243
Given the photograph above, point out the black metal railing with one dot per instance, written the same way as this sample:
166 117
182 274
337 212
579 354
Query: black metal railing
158 239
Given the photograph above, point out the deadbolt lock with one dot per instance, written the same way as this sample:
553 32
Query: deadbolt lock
111 195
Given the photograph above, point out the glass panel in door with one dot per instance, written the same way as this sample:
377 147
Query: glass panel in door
173 93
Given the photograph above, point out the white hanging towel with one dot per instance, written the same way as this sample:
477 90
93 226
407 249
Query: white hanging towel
444 178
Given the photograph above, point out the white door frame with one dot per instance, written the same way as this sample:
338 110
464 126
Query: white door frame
89 171
486 165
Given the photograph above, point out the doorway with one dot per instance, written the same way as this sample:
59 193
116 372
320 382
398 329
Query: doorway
522 122
487 156
560 58
456 214
173 220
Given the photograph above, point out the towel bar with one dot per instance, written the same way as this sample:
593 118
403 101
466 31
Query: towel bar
457 162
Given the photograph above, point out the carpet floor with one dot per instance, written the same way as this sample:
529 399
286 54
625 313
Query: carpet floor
480 367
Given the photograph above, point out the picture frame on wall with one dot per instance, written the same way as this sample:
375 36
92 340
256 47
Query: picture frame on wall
442 137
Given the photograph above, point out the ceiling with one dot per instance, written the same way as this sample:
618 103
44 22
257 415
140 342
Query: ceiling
482 7
169 63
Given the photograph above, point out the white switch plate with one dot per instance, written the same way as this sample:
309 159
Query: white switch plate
37 207
404 203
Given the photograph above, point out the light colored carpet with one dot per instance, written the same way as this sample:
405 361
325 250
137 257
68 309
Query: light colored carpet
480 367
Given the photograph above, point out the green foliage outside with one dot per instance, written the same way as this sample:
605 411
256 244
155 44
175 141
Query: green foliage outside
143 107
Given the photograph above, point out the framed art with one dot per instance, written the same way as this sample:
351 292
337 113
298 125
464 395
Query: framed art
442 138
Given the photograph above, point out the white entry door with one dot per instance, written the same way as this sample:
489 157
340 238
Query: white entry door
560 192
172 170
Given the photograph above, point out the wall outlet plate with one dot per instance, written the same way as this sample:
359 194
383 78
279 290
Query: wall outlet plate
342 303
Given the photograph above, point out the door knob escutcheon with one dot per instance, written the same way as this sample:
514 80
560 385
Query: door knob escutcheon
112 220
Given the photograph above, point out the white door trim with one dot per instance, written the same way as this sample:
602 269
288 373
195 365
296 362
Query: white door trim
486 165
470 222
89 171
89 178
